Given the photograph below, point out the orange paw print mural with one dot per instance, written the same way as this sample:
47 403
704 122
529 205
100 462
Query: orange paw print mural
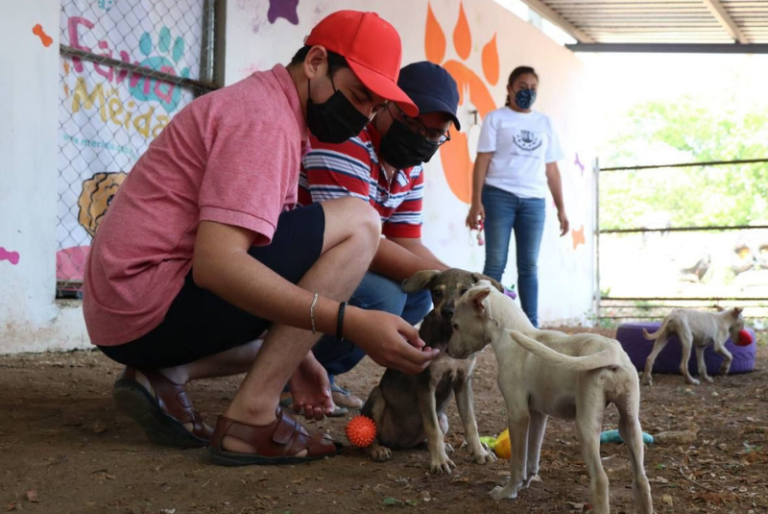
457 162
578 237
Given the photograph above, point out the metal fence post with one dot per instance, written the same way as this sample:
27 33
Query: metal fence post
598 291
209 40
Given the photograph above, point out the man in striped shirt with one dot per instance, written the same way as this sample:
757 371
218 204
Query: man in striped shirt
383 165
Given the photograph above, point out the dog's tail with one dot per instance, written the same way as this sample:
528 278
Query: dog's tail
604 359
656 334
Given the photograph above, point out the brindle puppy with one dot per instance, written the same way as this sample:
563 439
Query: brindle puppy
408 409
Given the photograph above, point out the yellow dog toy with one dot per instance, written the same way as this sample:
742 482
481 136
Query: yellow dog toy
500 445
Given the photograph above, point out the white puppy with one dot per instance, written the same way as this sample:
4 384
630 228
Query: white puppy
546 373
699 329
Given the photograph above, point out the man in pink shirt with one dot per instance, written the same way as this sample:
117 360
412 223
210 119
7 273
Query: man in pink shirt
200 252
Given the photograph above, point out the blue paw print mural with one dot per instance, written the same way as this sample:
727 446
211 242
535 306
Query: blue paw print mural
166 59
106 4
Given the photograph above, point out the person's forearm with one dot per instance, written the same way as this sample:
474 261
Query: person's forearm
398 263
479 172
555 184
241 280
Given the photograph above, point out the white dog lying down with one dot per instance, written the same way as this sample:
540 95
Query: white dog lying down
546 373
699 329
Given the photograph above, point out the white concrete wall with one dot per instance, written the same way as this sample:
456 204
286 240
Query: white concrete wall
256 41
30 318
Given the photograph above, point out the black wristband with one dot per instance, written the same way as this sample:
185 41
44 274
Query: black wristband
340 321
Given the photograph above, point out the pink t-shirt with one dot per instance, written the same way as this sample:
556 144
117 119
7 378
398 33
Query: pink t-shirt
232 156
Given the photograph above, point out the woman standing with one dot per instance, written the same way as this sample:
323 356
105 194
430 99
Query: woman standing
516 162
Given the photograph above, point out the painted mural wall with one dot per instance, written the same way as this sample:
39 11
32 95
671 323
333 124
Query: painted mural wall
72 130
108 117
30 320
479 43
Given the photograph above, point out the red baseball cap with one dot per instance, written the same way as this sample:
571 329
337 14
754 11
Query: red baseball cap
372 48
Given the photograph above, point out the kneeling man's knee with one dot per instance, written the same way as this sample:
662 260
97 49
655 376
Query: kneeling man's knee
366 218
354 221
362 219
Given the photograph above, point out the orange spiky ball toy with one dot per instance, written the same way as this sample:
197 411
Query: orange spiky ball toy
361 431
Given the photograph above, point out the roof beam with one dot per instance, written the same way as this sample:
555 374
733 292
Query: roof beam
550 15
672 48
722 16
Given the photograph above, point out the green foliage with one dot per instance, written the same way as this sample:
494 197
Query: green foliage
687 130
762 336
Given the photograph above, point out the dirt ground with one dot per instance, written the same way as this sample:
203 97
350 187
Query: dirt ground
65 448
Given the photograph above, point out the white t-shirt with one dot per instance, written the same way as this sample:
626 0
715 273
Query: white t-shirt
522 145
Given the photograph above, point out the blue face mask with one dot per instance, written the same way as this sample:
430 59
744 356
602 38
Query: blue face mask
525 98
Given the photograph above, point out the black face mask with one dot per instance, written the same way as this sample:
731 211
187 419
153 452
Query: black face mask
335 120
402 148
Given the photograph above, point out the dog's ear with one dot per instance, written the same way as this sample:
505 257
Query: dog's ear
477 295
718 308
477 277
737 311
420 280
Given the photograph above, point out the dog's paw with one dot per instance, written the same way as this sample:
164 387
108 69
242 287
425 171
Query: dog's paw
708 379
449 448
532 478
381 454
693 381
483 456
502 493
442 465
648 381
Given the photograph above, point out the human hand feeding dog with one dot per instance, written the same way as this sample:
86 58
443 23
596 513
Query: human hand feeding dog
408 409
696 329
590 372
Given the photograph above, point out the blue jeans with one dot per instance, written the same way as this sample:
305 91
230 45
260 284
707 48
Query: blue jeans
505 212
374 293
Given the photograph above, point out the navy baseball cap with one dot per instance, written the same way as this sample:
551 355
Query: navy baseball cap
431 88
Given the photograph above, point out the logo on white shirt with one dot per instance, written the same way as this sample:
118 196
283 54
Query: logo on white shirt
527 140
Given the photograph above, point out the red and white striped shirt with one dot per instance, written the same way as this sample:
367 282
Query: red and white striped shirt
352 168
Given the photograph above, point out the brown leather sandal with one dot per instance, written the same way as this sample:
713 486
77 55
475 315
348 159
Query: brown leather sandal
163 416
276 443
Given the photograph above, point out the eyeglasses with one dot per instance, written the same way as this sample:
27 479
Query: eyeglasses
417 127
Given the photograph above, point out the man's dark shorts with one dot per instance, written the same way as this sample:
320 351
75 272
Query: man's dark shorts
199 323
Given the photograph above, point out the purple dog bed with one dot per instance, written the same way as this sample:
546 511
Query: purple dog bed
630 335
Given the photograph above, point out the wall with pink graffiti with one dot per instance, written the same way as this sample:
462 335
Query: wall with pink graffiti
29 318
479 43
71 131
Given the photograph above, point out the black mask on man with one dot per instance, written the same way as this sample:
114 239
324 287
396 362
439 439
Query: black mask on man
335 120
402 148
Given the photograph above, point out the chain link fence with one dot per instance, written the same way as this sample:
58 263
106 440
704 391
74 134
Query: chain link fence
126 69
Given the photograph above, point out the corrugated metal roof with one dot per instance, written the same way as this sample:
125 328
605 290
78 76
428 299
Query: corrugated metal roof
659 21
